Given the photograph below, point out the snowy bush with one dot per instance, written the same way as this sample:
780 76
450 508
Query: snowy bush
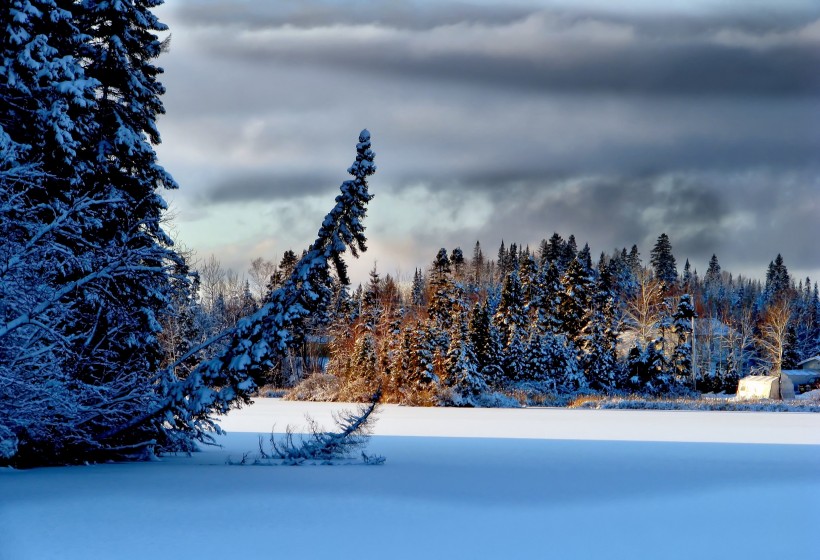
8 443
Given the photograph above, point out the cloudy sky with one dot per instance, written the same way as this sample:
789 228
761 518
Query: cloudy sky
499 120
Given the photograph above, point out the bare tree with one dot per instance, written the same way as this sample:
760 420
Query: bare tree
774 328
643 311
259 275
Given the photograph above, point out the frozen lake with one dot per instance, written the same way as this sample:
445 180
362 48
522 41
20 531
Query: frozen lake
458 483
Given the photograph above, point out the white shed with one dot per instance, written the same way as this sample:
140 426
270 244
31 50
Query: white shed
759 387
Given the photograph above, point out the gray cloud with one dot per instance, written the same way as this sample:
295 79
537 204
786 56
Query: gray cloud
244 187
317 13
634 69
528 48
702 213
505 123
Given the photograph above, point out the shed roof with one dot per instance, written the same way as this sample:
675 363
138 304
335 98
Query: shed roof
807 360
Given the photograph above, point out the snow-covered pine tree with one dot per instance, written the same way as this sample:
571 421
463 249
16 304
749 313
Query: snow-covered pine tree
682 333
510 313
417 353
463 379
486 344
574 299
562 357
442 298
713 284
554 251
185 408
778 281
88 226
513 355
417 290
477 266
458 263
599 336
663 262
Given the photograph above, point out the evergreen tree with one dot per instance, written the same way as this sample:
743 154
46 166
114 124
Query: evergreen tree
417 359
663 261
417 290
778 281
634 261
599 336
485 343
445 296
512 358
687 278
712 280
458 263
510 313
585 258
682 333
569 253
555 250
573 301
463 377
477 265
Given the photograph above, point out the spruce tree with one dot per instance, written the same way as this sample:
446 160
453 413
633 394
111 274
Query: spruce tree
663 262
463 376
573 301
682 333
441 285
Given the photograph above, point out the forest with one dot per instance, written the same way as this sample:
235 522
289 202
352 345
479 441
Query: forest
538 325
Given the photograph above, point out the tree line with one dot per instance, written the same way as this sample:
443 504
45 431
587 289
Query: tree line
549 322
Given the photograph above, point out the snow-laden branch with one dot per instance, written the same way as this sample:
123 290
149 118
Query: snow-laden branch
228 379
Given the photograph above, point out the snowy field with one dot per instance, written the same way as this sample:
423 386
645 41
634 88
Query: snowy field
490 483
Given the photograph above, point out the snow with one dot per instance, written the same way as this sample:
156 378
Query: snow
458 483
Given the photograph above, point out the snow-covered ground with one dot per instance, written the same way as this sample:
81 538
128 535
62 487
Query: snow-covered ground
489 483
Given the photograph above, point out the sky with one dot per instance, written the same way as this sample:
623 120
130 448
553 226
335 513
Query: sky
491 120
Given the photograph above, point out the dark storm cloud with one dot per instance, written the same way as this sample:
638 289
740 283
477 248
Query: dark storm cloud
264 186
509 121
562 51
316 13
703 213
421 15
634 69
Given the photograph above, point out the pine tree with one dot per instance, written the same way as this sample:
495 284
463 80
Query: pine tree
510 313
257 342
663 262
477 265
599 336
447 297
573 301
634 261
682 332
458 263
417 289
687 278
778 281
485 343
463 377
108 273
555 250
712 281
512 357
